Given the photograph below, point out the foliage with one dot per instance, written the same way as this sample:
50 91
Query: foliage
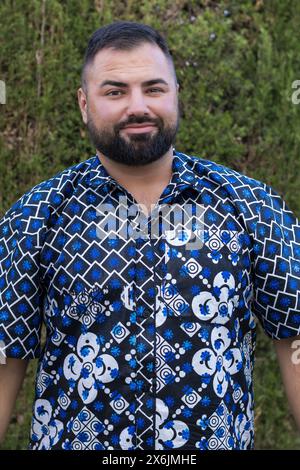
235 61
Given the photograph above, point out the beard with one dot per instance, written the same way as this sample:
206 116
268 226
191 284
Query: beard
138 149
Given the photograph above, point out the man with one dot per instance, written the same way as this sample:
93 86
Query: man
150 321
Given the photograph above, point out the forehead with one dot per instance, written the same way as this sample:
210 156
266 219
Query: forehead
134 64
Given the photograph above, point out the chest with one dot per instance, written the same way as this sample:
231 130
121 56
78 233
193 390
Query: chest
201 274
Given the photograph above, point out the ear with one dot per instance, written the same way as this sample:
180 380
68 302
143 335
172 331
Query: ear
82 101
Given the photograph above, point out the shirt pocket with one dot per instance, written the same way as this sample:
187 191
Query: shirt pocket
205 285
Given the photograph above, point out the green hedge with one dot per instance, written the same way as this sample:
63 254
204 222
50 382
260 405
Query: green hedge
236 62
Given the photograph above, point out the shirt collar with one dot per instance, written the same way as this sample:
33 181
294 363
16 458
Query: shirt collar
183 174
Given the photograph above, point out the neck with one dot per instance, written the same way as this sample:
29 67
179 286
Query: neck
158 172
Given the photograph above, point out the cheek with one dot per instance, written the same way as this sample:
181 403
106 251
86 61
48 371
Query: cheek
104 114
169 114
167 109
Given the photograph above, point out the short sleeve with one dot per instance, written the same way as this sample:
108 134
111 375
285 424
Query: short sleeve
276 268
20 289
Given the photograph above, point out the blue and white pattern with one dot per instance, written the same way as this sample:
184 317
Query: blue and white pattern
150 345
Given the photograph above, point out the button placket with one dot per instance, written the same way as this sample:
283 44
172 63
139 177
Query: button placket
145 337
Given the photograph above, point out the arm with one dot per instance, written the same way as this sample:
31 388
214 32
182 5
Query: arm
11 378
288 354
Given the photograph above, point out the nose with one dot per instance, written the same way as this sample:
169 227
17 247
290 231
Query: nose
137 104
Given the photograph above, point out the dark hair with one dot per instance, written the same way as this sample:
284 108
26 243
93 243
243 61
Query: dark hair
122 35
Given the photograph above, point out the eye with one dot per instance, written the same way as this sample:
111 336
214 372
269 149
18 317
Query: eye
114 93
156 90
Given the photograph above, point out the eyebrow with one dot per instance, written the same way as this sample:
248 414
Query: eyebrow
125 85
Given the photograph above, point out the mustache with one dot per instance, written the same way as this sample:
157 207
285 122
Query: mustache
138 120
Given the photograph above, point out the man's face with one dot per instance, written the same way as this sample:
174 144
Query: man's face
131 105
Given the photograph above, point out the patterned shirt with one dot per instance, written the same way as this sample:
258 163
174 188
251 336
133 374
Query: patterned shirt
149 339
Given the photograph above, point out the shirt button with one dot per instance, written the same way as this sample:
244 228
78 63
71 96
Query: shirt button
146 387
147 313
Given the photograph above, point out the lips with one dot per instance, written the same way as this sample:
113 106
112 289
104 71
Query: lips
145 127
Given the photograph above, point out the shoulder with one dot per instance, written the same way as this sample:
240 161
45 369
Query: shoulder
40 207
51 193
234 184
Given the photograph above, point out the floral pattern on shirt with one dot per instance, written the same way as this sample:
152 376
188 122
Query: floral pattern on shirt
150 340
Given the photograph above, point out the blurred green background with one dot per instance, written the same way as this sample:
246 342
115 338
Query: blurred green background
236 62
